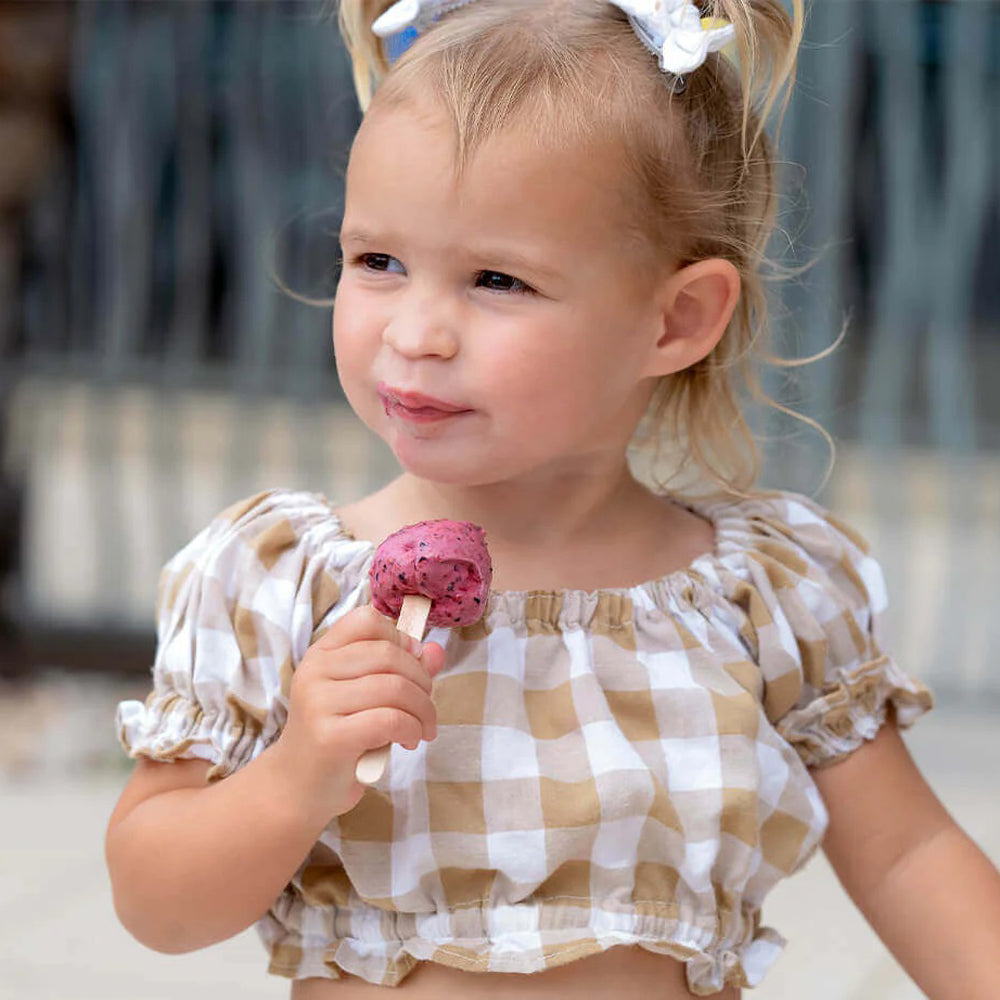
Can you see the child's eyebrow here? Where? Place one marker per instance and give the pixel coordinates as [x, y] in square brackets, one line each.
[358, 236]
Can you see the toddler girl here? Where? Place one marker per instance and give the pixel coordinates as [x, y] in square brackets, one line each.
[556, 212]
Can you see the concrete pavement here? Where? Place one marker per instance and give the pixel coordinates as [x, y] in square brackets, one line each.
[60, 940]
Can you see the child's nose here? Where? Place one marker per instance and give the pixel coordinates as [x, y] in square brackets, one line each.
[421, 331]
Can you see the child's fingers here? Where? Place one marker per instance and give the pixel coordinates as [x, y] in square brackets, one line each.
[371, 657]
[387, 691]
[432, 658]
[361, 624]
[375, 727]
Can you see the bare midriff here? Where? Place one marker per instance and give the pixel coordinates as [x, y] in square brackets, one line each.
[619, 973]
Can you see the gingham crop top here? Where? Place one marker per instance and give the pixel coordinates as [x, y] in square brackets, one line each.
[627, 766]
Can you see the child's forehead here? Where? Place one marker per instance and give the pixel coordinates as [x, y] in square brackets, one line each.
[404, 189]
[570, 178]
[527, 144]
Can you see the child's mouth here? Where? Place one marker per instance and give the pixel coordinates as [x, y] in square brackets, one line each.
[416, 407]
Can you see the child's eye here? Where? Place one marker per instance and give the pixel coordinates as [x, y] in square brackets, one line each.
[497, 281]
[381, 262]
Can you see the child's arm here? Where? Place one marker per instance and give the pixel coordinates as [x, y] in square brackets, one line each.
[193, 863]
[924, 886]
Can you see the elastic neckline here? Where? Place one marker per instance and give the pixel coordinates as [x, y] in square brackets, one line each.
[716, 512]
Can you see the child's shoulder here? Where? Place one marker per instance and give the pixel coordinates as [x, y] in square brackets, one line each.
[275, 520]
[796, 543]
[802, 521]
[275, 547]
[297, 506]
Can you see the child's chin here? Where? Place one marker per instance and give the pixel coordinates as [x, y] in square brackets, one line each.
[446, 474]
[445, 469]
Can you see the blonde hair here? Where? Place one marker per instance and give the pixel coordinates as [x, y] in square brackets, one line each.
[702, 162]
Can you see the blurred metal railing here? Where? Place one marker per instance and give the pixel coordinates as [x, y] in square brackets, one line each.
[208, 142]
[896, 123]
[154, 370]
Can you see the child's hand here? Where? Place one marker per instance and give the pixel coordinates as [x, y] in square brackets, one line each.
[360, 686]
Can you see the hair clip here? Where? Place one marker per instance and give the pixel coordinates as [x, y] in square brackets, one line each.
[416, 14]
[675, 32]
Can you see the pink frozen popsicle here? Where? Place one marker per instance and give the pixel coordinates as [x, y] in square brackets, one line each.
[436, 571]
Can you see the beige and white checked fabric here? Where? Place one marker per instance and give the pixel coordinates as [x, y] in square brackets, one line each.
[621, 767]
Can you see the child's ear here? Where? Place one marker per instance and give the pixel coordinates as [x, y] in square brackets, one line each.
[696, 305]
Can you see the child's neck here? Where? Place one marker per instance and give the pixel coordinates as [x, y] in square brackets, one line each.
[582, 533]
[553, 512]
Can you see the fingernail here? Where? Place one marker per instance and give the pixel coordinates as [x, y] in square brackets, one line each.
[416, 647]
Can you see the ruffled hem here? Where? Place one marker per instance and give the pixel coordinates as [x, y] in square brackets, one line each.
[167, 728]
[846, 715]
[709, 968]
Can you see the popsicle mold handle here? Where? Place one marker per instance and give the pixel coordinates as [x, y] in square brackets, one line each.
[412, 620]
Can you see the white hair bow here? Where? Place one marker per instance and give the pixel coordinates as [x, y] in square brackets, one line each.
[672, 29]
[675, 32]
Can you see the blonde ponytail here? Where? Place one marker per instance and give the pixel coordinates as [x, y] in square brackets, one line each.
[368, 60]
[697, 426]
[768, 41]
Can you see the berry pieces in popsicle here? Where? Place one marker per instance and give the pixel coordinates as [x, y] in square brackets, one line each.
[445, 561]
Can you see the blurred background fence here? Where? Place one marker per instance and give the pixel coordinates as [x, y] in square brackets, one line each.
[165, 168]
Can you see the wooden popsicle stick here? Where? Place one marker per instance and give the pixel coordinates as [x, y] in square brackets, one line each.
[412, 620]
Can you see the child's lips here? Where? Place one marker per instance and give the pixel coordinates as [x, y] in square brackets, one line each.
[415, 406]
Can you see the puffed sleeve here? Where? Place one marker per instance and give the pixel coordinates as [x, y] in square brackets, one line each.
[821, 598]
[237, 609]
